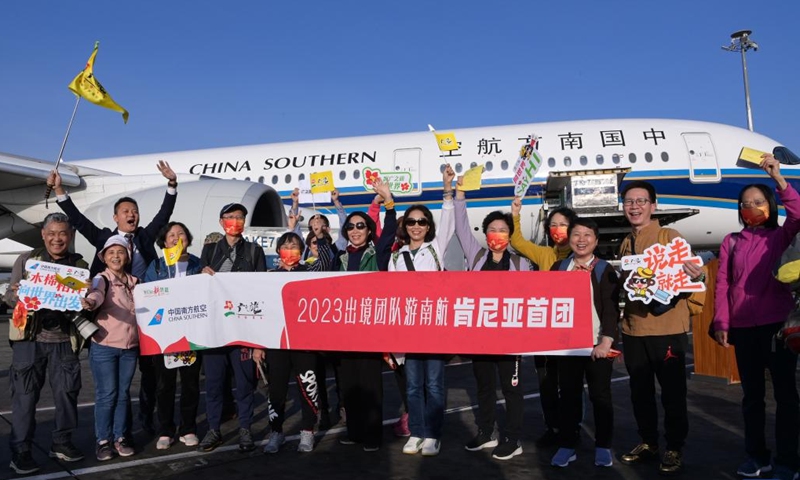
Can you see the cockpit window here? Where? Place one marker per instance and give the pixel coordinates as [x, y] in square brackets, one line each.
[785, 156]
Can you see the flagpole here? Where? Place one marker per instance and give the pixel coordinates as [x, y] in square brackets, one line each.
[63, 146]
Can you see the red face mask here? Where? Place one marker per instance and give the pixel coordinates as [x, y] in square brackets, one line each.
[290, 257]
[559, 234]
[497, 241]
[232, 226]
[755, 216]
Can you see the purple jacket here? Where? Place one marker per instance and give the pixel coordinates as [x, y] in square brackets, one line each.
[750, 295]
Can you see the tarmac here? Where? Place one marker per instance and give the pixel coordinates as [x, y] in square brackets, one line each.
[714, 449]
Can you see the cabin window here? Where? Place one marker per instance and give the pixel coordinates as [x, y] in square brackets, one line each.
[260, 179]
[664, 156]
[301, 177]
[615, 159]
[288, 178]
[632, 158]
[648, 157]
[342, 175]
[599, 159]
[442, 167]
[489, 166]
[504, 165]
[567, 162]
[584, 160]
[459, 168]
[274, 179]
[356, 174]
[551, 162]
[473, 164]
[246, 179]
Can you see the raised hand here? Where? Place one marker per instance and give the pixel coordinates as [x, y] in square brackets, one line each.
[382, 188]
[167, 171]
[773, 169]
[54, 180]
[335, 196]
[448, 175]
[516, 206]
[292, 222]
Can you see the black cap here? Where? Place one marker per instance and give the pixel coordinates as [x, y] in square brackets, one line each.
[232, 207]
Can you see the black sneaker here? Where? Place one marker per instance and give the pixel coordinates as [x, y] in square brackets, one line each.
[23, 463]
[671, 463]
[66, 451]
[548, 439]
[482, 440]
[640, 454]
[212, 440]
[507, 449]
[246, 443]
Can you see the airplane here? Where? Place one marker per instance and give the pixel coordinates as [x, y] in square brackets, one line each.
[691, 163]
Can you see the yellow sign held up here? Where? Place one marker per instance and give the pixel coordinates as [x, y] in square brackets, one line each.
[472, 179]
[750, 158]
[86, 85]
[322, 182]
[71, 282]
[173, 254]
[446, 141]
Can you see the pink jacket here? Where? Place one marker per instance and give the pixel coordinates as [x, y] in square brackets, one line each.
[116, 317]
[750, 295]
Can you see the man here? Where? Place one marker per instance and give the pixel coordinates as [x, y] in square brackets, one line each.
[49, 345]
[231, 254]
[142, 239]
[655, 344]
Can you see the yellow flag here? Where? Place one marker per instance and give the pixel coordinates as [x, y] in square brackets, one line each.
[86, 85]
[322, 182]
[446, 141]
[171, 255]
[472, 179]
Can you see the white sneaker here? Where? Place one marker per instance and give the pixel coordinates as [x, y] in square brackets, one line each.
[190, 440]
[164, 443]
[306, 441]
[412, 446]
[274, 442]
[430, 447]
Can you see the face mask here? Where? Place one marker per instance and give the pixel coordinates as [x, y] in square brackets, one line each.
[290, 257]
[232, 226]
[559, 234]
[497, 241]
[755, 216]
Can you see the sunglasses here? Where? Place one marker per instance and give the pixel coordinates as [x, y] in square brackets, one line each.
[359, 226]
[410, 222]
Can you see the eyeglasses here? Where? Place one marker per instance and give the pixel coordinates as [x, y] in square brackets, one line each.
[638, 201]
[754, 203]
[410, 222]
[232, 217]
[358, 226]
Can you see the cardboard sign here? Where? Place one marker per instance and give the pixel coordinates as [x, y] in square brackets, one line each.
[322, 182]
[657, 274]
[526, 167]
[477, 312]
[750, 158]
[306, 196]
[52, 286]
[400, 183]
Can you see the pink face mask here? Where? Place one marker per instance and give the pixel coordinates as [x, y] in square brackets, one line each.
[233, 226]
[755, 216]
[290, 257]
[497, 241]
[559, 234]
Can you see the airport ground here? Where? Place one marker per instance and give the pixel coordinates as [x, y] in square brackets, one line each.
[713, 451]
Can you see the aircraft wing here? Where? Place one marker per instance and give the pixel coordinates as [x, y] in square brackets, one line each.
[19, 172]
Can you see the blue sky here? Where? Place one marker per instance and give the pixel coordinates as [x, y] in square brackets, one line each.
[199, 74]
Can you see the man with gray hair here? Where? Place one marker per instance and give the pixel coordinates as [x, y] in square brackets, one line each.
[49, 344]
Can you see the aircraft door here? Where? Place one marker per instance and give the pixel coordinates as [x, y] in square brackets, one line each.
[703, 164]
[408, 160]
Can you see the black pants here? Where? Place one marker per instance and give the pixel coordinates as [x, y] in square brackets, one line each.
[402, 385]
[754, 354]
[166, 382]
[571, 372]
[486, 368]
[147, 386]
[321, 371]
[281, 363]
[362, 392]
[661, 357]
[547, 373]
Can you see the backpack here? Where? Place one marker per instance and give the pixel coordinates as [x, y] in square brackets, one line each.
[515, 259]
[598, 269]
[695, 300]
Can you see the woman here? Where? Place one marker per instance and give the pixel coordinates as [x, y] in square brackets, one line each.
[114, 350]
[360, 372]
[596, 369]
[304, 363]
[498, 227]
[558, 222]
[185, 363]
[425, 388]
[750, 308]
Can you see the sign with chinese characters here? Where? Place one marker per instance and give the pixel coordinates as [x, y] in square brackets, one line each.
[526, 167]
[307, 196]
[322, 182]
[657, 274]
[594, 191]
[477, 312]
[400, 183]
[52, 286]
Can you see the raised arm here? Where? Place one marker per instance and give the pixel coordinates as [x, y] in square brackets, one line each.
[383, 250]
[324, 258]
[341, 242]
[295, 211]
[469, 245]
[542, 256]
[89, 230]
[447, 220]
[168, 205]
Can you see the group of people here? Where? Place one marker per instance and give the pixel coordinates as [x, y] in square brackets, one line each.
[655, 342]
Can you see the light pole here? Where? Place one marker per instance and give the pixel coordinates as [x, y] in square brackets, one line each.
[741, 42]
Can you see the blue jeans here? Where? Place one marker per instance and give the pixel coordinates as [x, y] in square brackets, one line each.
[426, 395]
[112, 369]
[215, 362]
